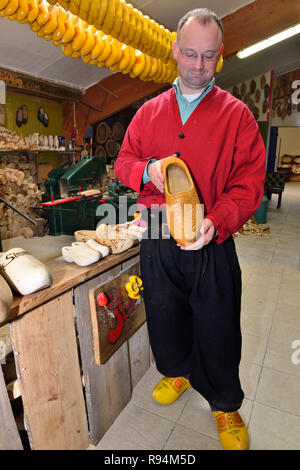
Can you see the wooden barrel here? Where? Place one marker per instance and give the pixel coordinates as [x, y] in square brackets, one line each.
[112, 148]
[100, 152]
[102, 132]
[118, 131]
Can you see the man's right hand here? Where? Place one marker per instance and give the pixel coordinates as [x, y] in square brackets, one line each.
[155, 173]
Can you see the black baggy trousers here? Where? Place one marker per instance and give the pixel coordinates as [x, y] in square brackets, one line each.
[193, 301]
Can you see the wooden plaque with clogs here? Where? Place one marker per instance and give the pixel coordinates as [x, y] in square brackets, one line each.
[117, 311]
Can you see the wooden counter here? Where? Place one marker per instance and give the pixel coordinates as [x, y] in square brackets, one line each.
[70, 399]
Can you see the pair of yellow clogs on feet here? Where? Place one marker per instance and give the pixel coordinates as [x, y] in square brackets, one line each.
[231, 428]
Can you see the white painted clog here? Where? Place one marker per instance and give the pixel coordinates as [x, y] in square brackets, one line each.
[80, 253]
[23, 272]
[103, 250]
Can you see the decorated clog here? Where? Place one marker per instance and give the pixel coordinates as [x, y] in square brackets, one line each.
[169, 389]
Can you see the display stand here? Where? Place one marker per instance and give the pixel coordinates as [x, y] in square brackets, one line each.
[70, 401]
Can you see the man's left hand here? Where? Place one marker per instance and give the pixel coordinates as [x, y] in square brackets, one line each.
[207, 233]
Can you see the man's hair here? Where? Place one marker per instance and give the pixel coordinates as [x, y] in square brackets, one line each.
[203, 16]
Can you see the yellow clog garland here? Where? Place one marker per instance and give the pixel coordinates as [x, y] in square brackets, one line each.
[124, 22]
[79, 38]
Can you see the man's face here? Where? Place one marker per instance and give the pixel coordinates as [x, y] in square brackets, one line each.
[197, 53]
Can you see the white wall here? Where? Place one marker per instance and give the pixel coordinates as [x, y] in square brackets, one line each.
[288, 141]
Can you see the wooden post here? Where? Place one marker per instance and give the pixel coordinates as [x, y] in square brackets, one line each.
[9, 435]
[45, 348]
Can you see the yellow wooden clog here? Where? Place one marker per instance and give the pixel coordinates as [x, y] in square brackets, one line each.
[99, 45]
[22, 11]
[183, 208]
[60, 30]
[232, 430]
[69, 28]
[44, 14]
[33, 10]
[169, 389]
[11, 7]
[134, 287]
[3, 4]
[51, 25]
[90, 40]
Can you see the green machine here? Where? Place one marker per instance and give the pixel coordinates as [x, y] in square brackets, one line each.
[117, 192]
[51, 187]
[86, 174]
[73, 199]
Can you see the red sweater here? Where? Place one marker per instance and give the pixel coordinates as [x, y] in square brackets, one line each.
[220, 143]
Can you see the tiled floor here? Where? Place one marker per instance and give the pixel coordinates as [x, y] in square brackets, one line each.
[271, 381]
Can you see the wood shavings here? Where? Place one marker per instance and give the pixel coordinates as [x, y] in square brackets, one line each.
[252, 228]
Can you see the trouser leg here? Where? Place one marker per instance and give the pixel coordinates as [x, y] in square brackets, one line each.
[169, 317]
[216, 305]
[193, 317]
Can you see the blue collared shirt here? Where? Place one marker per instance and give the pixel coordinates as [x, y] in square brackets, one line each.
[186, 108]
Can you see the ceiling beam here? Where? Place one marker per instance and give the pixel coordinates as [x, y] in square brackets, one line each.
[257, 21]
[25, 84]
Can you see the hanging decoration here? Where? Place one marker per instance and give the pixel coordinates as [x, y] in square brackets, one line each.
[43, 116]
[2, 115]
[105, 33]
[21, 115]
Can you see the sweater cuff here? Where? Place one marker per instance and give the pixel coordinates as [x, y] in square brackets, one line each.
[146, 178]
[218, 237]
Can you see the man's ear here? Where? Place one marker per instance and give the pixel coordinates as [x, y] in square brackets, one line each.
[175, 50]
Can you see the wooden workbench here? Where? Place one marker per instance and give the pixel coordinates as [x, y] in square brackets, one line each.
[70, 400]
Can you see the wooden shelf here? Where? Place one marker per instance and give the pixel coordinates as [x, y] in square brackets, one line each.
[39, 150]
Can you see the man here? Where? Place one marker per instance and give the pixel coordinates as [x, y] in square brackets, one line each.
[192, 293]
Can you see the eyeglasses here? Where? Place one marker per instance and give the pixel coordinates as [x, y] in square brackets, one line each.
[192, 56]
